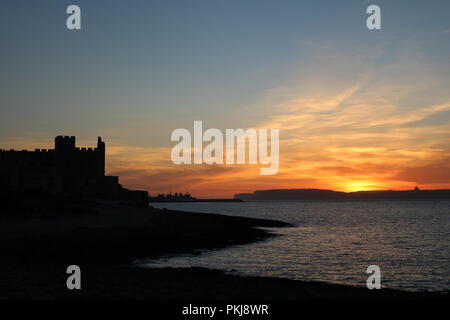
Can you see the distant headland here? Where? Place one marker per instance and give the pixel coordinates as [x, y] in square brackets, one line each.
[319, 194]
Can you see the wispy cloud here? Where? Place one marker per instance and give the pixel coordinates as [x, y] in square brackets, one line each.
[347, 121]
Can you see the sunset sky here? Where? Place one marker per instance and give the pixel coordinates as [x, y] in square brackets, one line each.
[357, 109]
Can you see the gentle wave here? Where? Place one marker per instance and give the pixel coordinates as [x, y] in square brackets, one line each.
[336, 242]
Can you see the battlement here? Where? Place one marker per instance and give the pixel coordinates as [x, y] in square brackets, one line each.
[67, 169]
[64, 143]
[74, 166]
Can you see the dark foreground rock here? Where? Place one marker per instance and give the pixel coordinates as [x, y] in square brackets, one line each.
[36, 248]
[48, 281]
[113, 234]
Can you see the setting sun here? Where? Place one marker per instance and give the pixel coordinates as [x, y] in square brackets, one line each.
[353, 186]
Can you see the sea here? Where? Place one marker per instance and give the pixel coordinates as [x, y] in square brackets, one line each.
[335, 242]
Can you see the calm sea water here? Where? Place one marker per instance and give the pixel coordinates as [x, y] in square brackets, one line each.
[336, 242]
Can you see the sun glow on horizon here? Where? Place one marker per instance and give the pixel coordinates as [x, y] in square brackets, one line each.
[354, 186]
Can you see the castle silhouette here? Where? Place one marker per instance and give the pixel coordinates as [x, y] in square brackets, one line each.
[67, 170]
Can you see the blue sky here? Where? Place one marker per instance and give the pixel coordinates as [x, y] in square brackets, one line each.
[139, 69]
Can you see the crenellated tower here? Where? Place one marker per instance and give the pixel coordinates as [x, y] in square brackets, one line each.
[101, 153]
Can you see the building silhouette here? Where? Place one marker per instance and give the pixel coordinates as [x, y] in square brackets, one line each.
[66, 169]
[176, 197]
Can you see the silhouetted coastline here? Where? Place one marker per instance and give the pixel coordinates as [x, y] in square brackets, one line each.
[59, 209]
[185, 197]
[319, 194]
[40, 238]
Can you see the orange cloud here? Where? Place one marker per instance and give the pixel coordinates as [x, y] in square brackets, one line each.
[344, 126]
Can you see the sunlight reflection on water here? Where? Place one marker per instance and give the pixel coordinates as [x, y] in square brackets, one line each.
[336, 242]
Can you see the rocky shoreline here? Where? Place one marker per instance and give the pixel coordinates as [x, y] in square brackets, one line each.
[36, 248]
